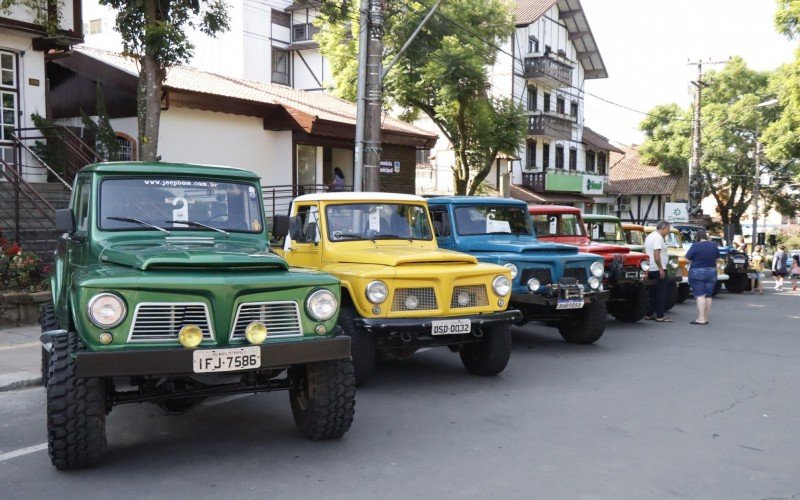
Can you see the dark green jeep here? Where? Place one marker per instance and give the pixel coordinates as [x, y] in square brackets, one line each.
[164, 290]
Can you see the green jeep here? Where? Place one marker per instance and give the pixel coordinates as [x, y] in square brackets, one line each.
[165, 290]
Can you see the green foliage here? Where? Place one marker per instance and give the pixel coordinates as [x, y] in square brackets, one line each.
[790, 236]
[787, 18]
[46, 13]
[443, 74]
[105, 143]
[732, 123]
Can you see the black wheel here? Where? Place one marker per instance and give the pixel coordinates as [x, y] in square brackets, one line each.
[362, 345]
[737, 283]
[76, 410]
[672, 297]
[490, 355]
[717, 289]
[683, 292]
[634, 307]
[586, 326]
[47, 320]
[323, 398]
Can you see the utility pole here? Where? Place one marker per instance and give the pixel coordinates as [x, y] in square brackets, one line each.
[374, 103]
[358, 156]
[756, 189]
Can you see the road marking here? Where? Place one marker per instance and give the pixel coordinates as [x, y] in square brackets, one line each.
[23, 451]
[18, 346]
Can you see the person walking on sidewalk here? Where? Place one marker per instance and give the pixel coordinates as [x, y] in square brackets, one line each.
[779, 261]
[703, 256]
[656, 247]
[794, 272]
[757, 270]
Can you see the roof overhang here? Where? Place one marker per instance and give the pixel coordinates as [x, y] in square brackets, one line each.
[580, 34]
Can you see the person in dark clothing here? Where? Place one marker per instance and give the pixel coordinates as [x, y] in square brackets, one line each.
[703, 256]
[338, 180]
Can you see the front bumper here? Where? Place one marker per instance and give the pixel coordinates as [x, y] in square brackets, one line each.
[422, 326]
[536, 299]
[178, 361]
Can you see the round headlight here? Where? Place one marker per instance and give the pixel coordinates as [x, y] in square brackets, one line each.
[673, 263]
[106, 310]
[501, 285]
[594, 282]
[511, 267]
[190, 336]
[645, 265]
[533, 284]
[321, 305]
[412, 302]
[377, 291]
[597, 269]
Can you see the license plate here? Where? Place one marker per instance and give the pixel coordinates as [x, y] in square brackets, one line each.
[632, 275]
[450, 326]
[227, 360]
[569, 304]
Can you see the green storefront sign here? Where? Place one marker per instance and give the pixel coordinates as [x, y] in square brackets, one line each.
[563, 182]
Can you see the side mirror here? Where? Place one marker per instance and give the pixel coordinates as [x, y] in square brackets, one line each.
[65, 221]
[280, 226]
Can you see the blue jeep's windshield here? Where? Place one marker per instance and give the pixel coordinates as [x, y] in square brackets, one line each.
[493, 220]
[179, 204]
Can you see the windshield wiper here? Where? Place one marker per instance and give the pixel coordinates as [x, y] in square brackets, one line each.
[137, 221]
[197, 224]
[347, 236]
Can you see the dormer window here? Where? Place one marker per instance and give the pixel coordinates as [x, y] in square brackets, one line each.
[533, 44]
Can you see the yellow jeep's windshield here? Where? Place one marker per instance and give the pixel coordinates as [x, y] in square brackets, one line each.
[179, 204]
[377, 221]
[635, 237]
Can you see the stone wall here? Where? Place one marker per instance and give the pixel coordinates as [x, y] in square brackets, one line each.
[20, 308]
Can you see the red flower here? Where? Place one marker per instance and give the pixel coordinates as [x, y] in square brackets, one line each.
[13, 250]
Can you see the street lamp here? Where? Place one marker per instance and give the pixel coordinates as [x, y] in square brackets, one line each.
[757, 177]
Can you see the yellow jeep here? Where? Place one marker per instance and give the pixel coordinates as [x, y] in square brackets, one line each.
[400, 292]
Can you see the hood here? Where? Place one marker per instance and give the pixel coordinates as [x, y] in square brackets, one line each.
[188, 254]
[398, 256]
[521, 246]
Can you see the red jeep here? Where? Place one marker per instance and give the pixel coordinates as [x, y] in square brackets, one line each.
[625, 270]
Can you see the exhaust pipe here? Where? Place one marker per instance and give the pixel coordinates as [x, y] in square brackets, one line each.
[477, 334]
[406, 337]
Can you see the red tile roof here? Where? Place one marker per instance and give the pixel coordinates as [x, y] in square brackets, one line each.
[530, 10]
[629, 176]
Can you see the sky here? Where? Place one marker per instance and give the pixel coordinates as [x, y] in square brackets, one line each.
[646, 45]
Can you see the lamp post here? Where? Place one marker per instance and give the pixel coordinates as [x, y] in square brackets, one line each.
[757, 177]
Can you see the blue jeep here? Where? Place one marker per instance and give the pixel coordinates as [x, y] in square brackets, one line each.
[551, 282]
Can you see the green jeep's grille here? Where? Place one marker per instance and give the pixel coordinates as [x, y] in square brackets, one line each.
[282, 319]
[469, 296]
[161, 321]
[414, 299]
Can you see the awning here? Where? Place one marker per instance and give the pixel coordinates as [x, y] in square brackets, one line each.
[520, 193]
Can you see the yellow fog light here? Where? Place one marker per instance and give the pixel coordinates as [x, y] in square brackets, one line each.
[320, 329]
[106, 338]
[256, 332]
[190, 336]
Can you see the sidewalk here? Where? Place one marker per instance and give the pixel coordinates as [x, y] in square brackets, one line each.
[20, 357]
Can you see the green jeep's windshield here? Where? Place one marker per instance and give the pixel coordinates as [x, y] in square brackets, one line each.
[606, 232]
[377, 221]
[493, 220]
[179, 204]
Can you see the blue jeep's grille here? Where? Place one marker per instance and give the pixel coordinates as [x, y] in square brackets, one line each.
[542, 274]
[578, 273]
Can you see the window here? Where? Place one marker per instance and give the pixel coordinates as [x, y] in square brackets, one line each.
[441, 222]
[573, 109]
[306, 164]
[492, 220]
[533, 44]
[8, 99]
[8, 70]
[303, 32]
[532, 96]
[546, 102]
[423, 156]
[545, 155]
[127, 148]
[280, 66]
[601, 163]
[308, 224]
[560, 105]
[81, 211]
[590, 161]
[530, 155]
[559, 156]
[573, 159]
[95, 26]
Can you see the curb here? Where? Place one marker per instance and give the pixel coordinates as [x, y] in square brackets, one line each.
[19, 380]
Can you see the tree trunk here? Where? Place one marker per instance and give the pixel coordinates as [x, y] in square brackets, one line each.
[480, 176]
[148, 95]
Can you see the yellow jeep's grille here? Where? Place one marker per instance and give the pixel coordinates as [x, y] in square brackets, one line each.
[162, 321]
[414, 299]
[469, 296]
[282, 319]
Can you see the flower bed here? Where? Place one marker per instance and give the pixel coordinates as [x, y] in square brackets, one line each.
[24, 281]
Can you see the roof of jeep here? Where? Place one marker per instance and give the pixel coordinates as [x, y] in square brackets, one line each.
[160, 169]
[553, 209]
[650, 229]
[599, 217]
[471, 200]
[632, 226]
[361, 196]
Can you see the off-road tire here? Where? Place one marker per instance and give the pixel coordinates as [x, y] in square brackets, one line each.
[672, 297]
[586, 326]
[76, 410]
[489, 356]
[737, 283]
[47, 320]
[362, 346]
[323, 398]
[684, 290]
[634, 307]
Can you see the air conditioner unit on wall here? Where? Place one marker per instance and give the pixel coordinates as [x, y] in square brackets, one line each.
[623, 207]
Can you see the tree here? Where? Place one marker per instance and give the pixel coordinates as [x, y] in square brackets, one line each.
[443, 74]
[732, 123]
[155, 32]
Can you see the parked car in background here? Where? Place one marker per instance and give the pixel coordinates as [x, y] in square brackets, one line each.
[551, 282]
[688, 236]
[634, 236]
[624, 270]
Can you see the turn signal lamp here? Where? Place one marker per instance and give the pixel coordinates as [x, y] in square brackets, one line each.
[256, 332]
[190, 336]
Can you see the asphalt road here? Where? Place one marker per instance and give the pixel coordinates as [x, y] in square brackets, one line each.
[650, 411]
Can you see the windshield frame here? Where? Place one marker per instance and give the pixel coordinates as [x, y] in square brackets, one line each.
[531, 230]
[170, 227]
[329, 232]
